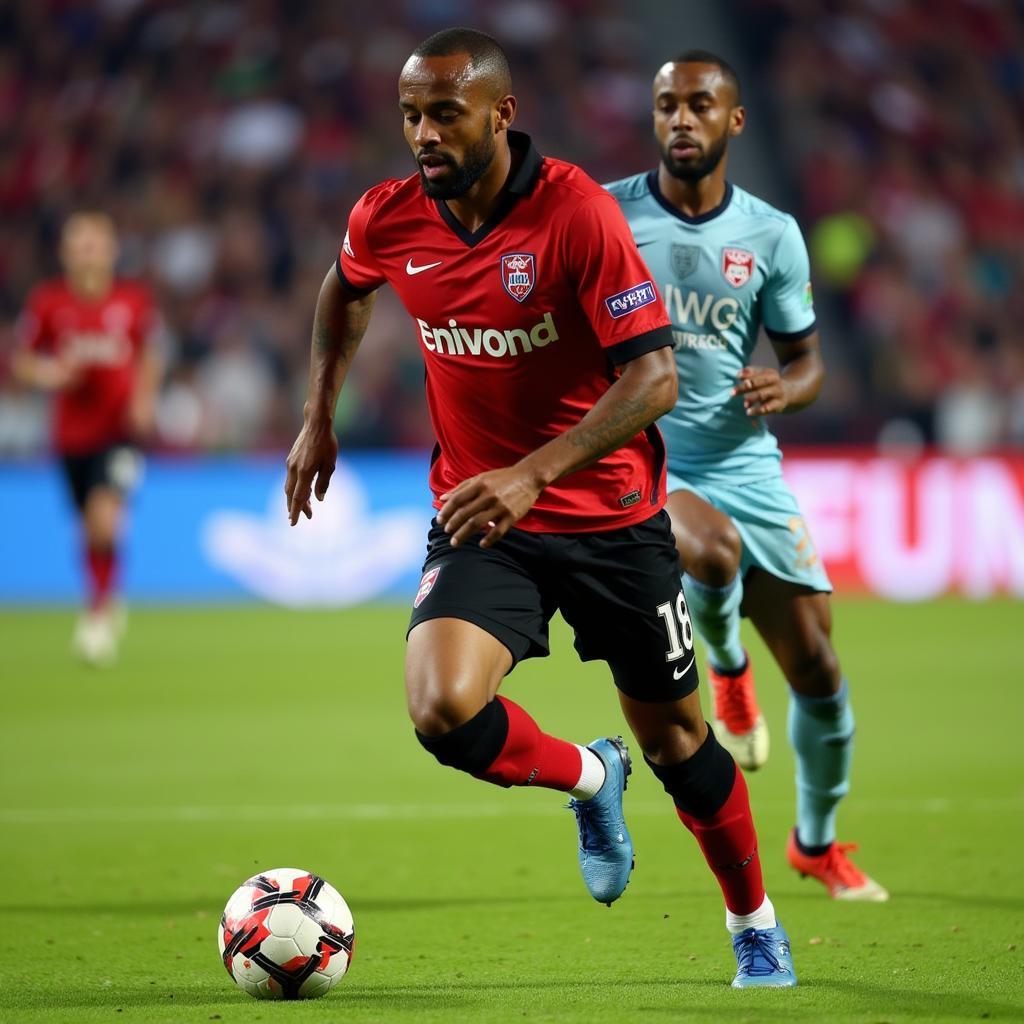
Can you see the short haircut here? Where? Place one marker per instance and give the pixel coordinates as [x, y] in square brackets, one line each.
[707, 57]
[486, 56]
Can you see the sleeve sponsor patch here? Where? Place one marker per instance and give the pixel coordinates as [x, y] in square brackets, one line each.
[631, 299]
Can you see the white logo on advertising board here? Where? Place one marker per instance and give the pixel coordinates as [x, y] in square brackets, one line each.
[342, 556]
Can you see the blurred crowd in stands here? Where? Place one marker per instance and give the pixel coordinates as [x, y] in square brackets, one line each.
[902, 124]
[229, 139]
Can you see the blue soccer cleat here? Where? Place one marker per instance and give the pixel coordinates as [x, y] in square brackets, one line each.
[763, 959]
[606, 850]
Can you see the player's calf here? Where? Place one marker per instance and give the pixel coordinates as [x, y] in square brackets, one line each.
[716, 614]
[503, 745]
[712, 801]
[821, 732]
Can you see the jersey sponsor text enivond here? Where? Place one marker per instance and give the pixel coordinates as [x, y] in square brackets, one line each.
[454, 340]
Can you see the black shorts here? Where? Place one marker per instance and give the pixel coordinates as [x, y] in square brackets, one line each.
[619, 590]
[117, 467]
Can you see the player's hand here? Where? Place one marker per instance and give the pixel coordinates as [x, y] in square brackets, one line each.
[313, 456]
[58, 374]
[491, 502]
[763, 390]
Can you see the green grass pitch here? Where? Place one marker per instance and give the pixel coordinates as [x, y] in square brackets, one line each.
[133, 801]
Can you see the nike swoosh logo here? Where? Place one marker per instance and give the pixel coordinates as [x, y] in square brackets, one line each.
[411, 270]
[640, 245]
[679, 673]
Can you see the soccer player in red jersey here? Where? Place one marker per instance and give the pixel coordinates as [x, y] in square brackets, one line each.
[548, 357]
[87, 337]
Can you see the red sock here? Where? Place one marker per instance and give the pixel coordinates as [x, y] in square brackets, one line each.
[729, 844]
[533, 758]
[102, 568]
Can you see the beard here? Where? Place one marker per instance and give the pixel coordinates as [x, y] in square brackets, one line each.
[699, 167]
[477, 159]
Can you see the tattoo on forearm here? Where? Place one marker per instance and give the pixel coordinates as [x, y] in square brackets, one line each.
[625, 420]
[323, 338]
[341, 336]
[338, 328]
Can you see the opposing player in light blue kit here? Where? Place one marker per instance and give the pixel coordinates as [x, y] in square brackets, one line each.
[727, 264]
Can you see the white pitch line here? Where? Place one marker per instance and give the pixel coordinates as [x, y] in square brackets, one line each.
[423, 812]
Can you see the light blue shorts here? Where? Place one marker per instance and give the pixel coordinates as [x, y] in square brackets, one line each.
[774, 534]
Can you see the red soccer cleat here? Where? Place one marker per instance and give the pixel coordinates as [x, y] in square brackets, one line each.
[834, 869]
[739, 724]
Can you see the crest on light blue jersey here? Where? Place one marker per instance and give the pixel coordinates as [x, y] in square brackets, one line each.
[684, 259]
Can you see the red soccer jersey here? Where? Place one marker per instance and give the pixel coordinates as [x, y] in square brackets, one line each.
[104, 338]
[521, 324]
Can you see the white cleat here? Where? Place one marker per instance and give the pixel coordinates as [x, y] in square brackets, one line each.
[738, 722]
[749, 749]
[834, 869]
[95, 638]
[869, 892]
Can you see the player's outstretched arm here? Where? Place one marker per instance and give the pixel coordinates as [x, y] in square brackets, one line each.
[790, 388]
[339, 324]
[48, 373]
[496, 500]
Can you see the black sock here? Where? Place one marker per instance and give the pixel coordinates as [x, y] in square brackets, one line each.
[472, 746]
[701, 784]
[810, 851]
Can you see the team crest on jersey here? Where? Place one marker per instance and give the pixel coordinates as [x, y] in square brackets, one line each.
[518, 274]
[426, 586]
[685, 259]
[737, 266]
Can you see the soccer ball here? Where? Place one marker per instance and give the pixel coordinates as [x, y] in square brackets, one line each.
[286, 934]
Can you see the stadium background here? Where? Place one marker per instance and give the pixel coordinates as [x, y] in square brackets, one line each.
[228, 139]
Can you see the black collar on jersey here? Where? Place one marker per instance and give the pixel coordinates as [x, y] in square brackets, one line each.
[521, 183]
[703, 218]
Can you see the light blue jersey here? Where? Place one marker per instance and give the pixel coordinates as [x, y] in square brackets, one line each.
[722, 275]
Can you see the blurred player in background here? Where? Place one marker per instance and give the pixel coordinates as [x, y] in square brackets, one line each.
[548, 357]
[89, 339]
[727, 263]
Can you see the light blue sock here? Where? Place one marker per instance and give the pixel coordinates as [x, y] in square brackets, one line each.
[716, 615]
[821, 732]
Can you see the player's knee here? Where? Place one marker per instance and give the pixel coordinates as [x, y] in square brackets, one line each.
[700, 783]
[439, 708]
[816, 673]
[666, 738]
[472, 745]
[719, 558]
[669, 745]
